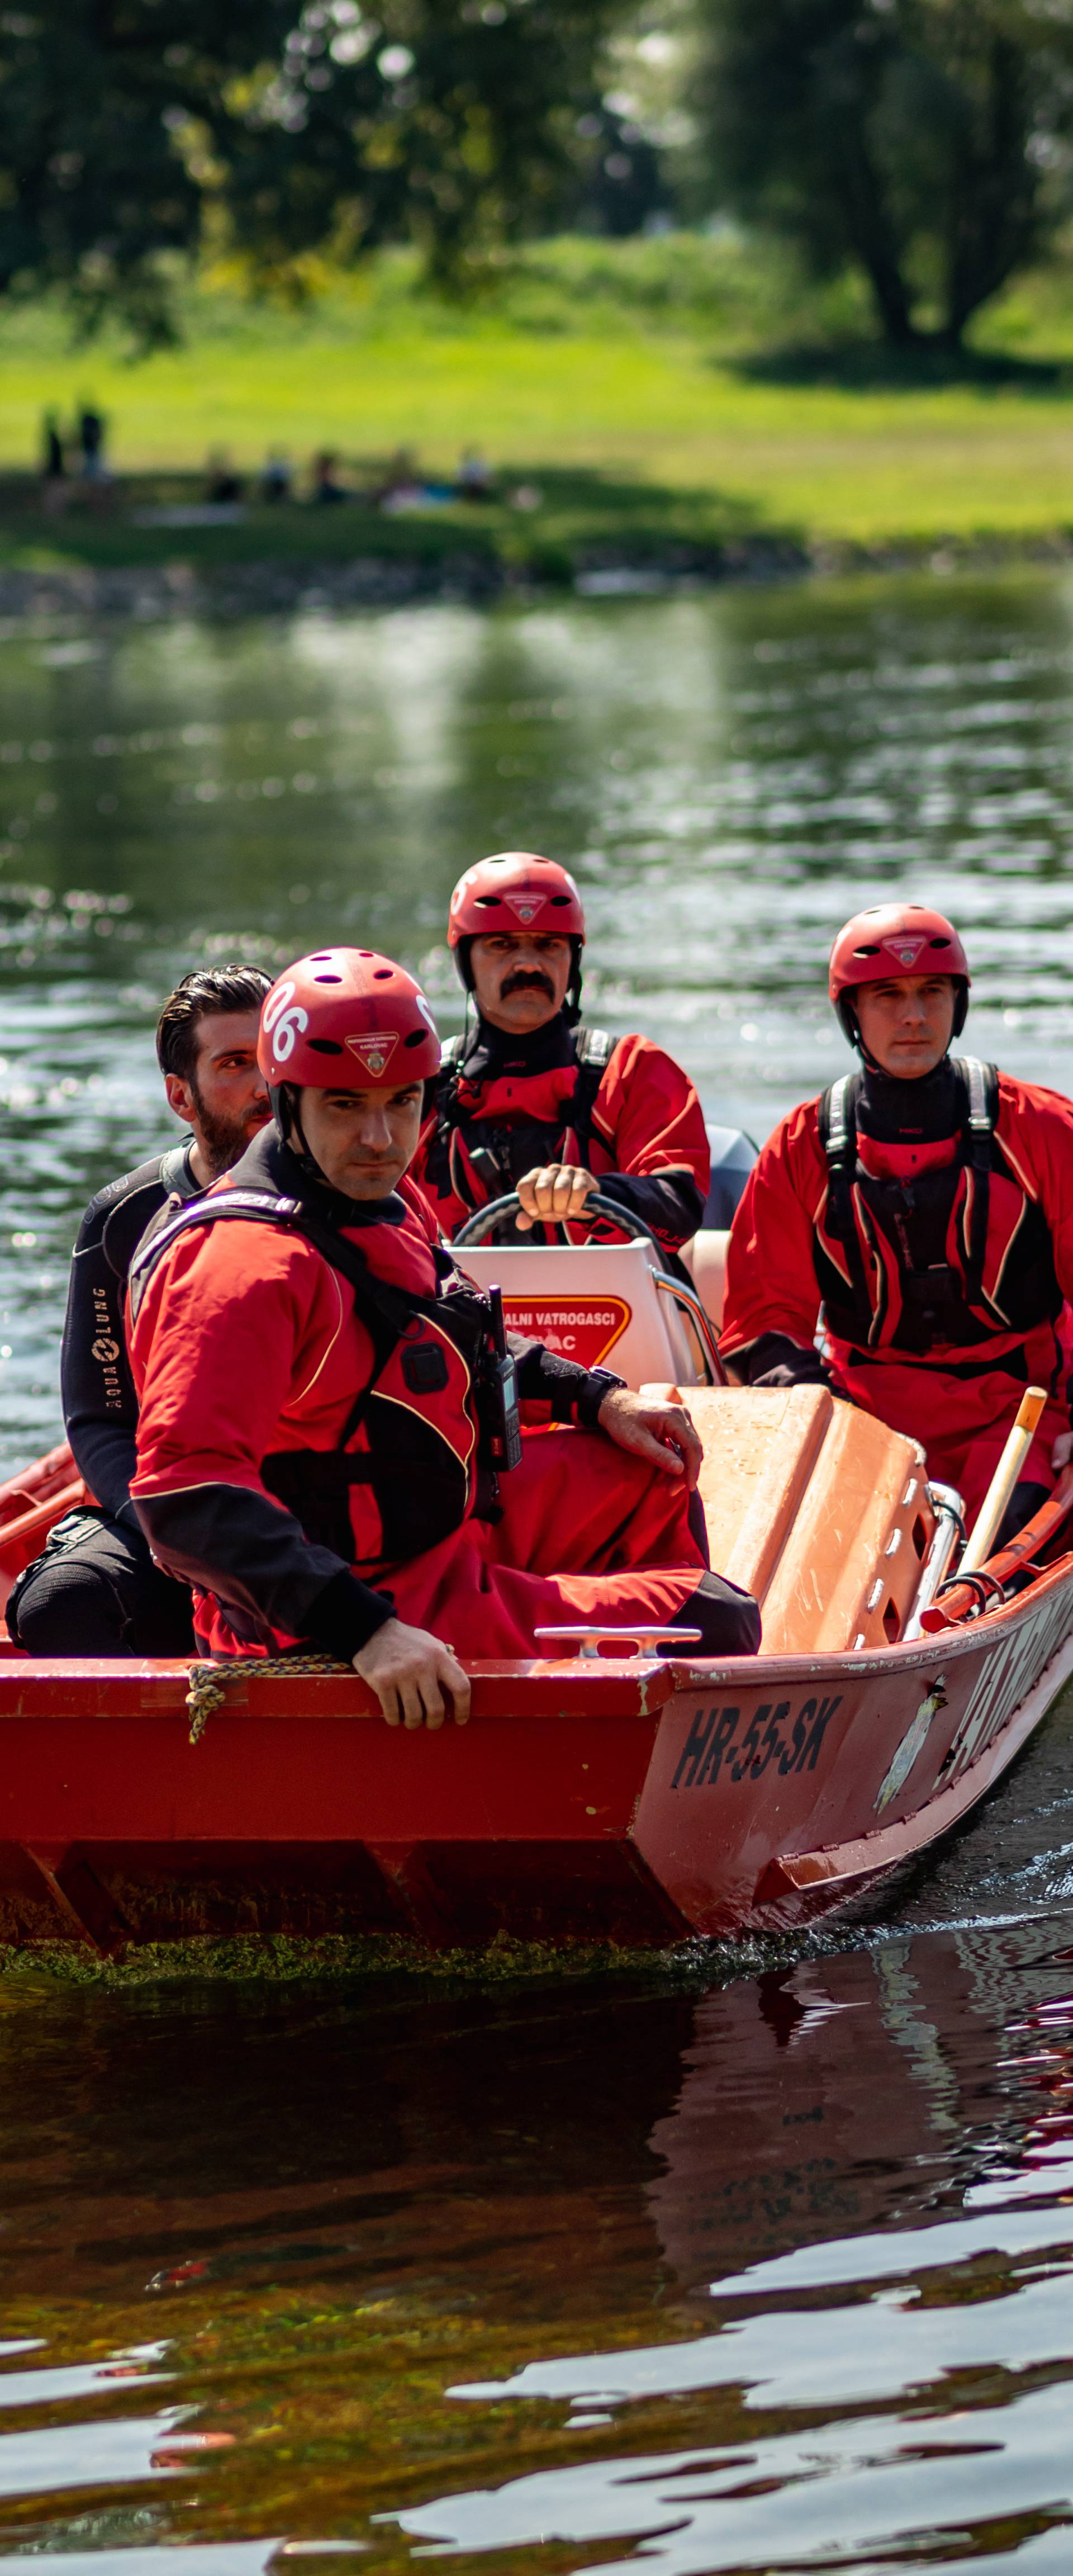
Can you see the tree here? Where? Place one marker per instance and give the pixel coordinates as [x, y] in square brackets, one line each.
[926, 140]
[127, 126]
[453, 120]
[93, 186]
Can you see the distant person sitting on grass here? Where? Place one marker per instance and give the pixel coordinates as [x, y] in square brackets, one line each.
[327, 488]
[475, 478]
[223, 487]
[402, 481]
[277, 483]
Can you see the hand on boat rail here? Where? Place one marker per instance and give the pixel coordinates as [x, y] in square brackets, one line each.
[417, 1679]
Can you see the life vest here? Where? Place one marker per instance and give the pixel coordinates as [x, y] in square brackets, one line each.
[476, 1159]
[413, 1458]
[957, 1255]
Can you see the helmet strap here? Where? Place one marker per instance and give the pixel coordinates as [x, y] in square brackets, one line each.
[572, 1004]
[852, 1027]
[284, 1098]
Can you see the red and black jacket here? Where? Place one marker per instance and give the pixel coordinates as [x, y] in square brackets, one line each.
[930, 1221]
[311, 1404]
[621, 1108]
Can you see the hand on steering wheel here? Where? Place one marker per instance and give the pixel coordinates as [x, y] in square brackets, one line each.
[554, 1194]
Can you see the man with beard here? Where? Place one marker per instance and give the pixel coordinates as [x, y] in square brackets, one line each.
[96, 1590]
[530, 1099]
[923, 1208]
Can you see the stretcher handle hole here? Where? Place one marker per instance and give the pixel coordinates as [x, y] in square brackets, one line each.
[481, 1227]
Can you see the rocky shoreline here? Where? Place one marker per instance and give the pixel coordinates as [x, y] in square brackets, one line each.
[479, 576]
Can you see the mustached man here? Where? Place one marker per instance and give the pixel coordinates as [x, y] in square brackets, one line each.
[322, 1436]
[924, 1208]
[530, 1099]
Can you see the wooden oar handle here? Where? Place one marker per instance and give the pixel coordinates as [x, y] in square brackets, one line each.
[992, 1510]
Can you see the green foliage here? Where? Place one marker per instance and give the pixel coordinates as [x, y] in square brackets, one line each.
[928, 140]
[134, 130]
[454, 120]
[93, 186]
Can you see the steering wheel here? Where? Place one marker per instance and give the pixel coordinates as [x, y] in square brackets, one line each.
[484, 1226]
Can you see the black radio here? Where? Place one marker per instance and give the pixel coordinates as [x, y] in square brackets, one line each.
[503, 1430]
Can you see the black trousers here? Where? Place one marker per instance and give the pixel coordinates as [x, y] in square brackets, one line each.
[96, 1591]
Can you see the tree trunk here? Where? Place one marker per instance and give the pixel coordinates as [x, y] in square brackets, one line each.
[872, 238]
[993, 214]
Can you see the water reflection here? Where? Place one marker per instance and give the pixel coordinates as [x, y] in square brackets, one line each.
[773, 2273]
[767, 2270]
[837, 2112]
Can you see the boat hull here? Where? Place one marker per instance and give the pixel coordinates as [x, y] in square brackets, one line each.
[638, 1803]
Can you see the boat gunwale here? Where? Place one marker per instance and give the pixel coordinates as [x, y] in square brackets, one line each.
[586, 1680]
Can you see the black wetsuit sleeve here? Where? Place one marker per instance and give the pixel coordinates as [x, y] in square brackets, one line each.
[100, 1408]
[573, 1392]
[257, 1561]
[669, 1203]
[774, 1360]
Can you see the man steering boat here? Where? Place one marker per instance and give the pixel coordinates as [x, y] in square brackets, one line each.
[528, 1098]
[923, 1207]
[328, 1441]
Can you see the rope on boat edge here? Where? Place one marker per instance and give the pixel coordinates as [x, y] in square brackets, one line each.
[208, 1681]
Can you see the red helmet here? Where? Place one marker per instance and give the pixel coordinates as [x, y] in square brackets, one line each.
[516, 890]
[895, 939]
[346, 1015]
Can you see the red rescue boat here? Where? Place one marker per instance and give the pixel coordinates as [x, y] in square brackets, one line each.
[642, 1798]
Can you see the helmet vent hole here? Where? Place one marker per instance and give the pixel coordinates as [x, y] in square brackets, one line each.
[322, 958]
[324, 1046]
[327, 979]
[382, 975]
[416, 1037]
[938, 943]
[557, 899]
[489, 902]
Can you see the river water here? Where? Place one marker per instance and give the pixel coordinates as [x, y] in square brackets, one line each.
[758, 2263]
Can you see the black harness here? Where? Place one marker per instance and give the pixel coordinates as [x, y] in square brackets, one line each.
[499, 1151]
[939, 1302]
[419, 1484]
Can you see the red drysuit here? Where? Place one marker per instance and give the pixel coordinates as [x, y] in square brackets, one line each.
[563, 1095]
[959, 1396]
[311, 1469]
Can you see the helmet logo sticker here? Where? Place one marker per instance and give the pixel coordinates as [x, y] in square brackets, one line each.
[905, 946]
[525, 905]
[375, 1051]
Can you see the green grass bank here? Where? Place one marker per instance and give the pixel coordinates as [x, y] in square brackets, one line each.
[661, 397]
